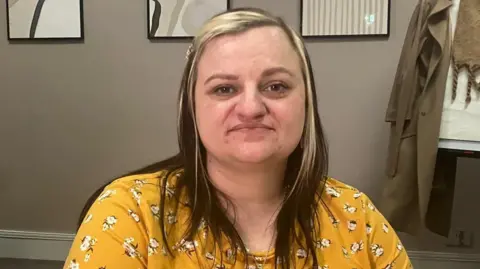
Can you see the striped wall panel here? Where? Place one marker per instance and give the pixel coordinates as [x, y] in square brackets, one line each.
[345, 17]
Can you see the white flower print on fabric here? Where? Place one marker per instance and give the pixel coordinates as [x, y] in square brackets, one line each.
[334, 221]
[371, 207]
[153, 246]
[171, 217]
[377, 250]
[87, 243]
[209, 256]
[134, 215]
[229, 254]
[352, 226]
[176, 177]
[369, 228]
[345, 253]
[137, 194]
[204, 228]
[324, 243]
[357, 195]
[332, 192]
[88, 218]
[205, 233]
[131, 247]
[301, 253]
[251, 266]
[109, 223]
[169, 190]
[73, 264]
[389, 266]
[203, 224]
[186, 246]
[105, 195]
[258, 259]
[350, 209]
[399, 246]
[155, 210]
[139, 182]
[356, 247]
[364, 207]
[312, 222]
[279, 260]
[385, 228]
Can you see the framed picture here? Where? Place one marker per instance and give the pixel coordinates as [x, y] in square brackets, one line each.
[337, 18]
[44, 19]
[180, 18]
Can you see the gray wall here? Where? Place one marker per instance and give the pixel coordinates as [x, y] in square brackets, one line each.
[74, 115]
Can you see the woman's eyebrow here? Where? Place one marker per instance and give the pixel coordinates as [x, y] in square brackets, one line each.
[220, 76]
[273, 70]
[267, 72]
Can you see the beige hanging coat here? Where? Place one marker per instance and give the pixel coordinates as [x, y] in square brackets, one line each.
[414, 113]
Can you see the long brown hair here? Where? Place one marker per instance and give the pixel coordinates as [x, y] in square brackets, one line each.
[306, 167]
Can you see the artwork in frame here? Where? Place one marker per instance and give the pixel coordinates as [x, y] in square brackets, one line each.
[44, 19]
[180, 18]
[337, 18]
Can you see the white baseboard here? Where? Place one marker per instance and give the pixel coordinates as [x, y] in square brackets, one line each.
[35, 245]
[444, 256]
[55, 247]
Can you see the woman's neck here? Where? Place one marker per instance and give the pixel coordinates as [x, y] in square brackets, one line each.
[256, 193]
[258, 184]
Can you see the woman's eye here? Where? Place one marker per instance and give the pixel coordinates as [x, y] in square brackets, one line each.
[278, 87]
[224, 90]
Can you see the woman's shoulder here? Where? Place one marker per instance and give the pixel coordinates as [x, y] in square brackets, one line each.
[142, 185]
[351, 218]
[123, 219]
[335, 188]
[344, 199]
[333, 182]
[139, 192]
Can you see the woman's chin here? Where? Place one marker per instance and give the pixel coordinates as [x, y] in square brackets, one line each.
[254, 155]
[251, 159]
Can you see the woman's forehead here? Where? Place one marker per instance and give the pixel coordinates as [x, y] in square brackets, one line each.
[259, 46]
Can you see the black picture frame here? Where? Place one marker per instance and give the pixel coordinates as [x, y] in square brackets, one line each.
[34, 24]
[152, 36]
[365, 34]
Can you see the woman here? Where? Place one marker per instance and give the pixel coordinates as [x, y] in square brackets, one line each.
[248, 188]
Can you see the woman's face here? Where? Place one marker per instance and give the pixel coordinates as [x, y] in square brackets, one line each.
[250, 97]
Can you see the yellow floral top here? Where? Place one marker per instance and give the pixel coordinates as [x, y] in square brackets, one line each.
[121, 230]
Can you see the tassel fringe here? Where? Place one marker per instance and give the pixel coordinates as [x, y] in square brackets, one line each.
[472, 84]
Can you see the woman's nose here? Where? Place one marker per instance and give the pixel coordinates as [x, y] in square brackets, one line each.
[251, 106]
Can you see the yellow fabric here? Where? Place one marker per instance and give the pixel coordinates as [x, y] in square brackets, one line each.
[121, 230]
